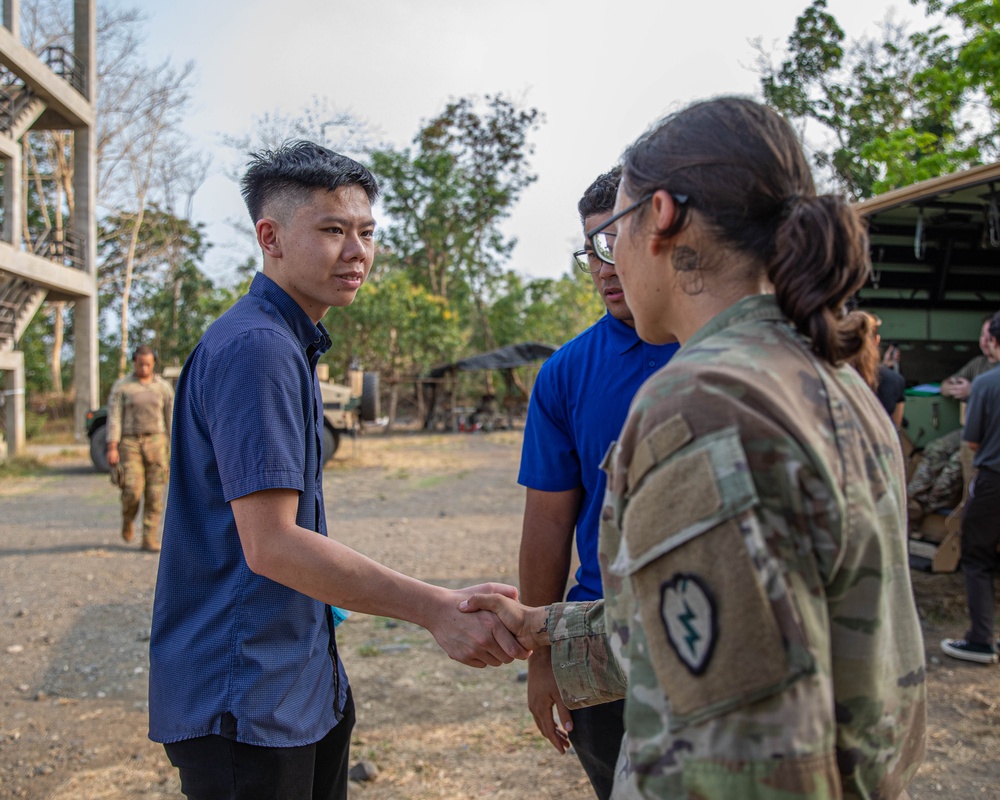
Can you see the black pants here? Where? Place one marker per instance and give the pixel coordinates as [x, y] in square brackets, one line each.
[980, 536]
[597, 737]
[217, 768]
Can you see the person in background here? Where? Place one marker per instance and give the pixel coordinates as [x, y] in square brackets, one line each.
[959, 384]
[981, 514]
[247, 691]
[885, 380]
[578, 404]
[140, 411]
[758, 604]
[937, 483]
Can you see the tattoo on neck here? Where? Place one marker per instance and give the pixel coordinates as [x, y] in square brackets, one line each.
[685, 259]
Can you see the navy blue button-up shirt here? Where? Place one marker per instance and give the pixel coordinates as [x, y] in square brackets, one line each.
[232, 652]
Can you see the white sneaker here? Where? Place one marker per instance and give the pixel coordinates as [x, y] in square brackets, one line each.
[969, 651]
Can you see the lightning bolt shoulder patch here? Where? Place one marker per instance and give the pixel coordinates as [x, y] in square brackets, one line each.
[688, 612]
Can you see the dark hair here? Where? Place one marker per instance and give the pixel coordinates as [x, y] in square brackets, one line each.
[995, 326]
[296, 169]
[865, 326]
[743, 171]
[143, 350]
[600, 195]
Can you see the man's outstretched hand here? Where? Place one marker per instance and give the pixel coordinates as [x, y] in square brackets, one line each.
[480, 639]
[529, 625]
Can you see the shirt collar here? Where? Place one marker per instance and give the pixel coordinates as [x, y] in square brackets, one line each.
[748, 309]
[623, 337]
[308, 333]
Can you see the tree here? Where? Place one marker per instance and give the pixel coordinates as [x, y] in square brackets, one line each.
[890, 111]
[177, 301]
[140, 108]
[447, 196]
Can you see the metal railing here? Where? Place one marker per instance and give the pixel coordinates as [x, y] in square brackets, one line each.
[14, 98]
[67, 248]
[67, 66]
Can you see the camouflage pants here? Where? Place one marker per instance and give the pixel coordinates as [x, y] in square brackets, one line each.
[146, 463]
[937, 482]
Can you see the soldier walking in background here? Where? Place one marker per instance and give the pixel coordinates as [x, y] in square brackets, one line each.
[140, 410]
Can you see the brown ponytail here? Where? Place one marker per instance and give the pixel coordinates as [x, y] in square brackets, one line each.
[820, 259]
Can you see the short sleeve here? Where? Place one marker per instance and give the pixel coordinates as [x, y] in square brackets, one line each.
[973, 429]
[550, 461]
[255, 406]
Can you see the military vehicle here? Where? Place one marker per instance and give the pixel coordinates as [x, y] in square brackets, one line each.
[345, 408]
[935, 249]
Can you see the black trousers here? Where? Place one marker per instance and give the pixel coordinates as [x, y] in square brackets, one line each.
[597, 737]
[217, 768]
[980, 536]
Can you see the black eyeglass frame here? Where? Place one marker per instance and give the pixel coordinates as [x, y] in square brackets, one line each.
[582, 259]
[599, 239]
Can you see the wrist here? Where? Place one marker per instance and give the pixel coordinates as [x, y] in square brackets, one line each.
[539, 621]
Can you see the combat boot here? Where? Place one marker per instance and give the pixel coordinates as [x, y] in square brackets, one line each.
[128, 533]
[150, 542]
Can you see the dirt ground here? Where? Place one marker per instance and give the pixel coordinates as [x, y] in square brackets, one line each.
[74, 622]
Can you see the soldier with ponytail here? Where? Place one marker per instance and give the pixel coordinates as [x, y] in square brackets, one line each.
[758, 614]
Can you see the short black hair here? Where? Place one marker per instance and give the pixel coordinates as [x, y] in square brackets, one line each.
[297, 168]
[600, 195]
[143, 350]
[995, 326]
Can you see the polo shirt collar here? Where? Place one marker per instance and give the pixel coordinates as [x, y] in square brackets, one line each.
[623, 338]
[748, 309]
[309, 334]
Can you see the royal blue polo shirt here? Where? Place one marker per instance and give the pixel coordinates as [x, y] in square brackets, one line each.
[231, 652]
[578, 406]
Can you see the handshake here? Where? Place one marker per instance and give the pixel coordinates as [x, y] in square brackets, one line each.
[489, 627]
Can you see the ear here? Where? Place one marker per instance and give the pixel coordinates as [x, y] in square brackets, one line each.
[267, 237]
[664, 210]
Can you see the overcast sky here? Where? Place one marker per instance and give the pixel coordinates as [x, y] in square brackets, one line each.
[600, 72]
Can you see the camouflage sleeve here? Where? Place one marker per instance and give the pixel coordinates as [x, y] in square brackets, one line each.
[116, 408]
[585, 668]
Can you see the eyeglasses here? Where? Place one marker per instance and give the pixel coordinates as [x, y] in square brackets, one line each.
[603, 242]
[587, 261]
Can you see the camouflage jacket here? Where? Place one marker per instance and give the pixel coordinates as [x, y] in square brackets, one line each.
[139, 408]
[757, 589]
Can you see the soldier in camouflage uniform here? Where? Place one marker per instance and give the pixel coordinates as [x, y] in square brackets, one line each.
[758, 614]
[937, 480]
[140, 410]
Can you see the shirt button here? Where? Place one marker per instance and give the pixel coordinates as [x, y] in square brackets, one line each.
[652, 363]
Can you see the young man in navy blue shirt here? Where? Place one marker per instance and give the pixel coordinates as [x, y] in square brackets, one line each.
[578, 405]
[247, 691]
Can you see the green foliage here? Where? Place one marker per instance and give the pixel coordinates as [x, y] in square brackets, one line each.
[394, 327]
[892, 111]
[544, 310]
[173, 302]
[447, 196]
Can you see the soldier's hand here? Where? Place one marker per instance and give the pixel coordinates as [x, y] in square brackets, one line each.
[112, 453]
[543, 697]
[529, 625]
[481, 639]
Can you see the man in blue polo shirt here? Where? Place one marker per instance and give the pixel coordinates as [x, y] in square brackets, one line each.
[246, 688]
[578, 405]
